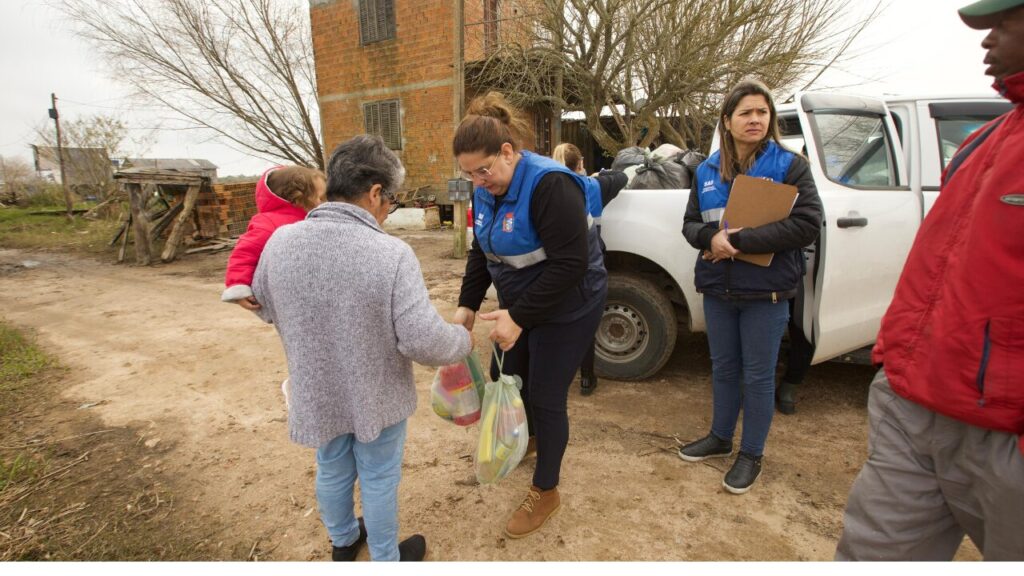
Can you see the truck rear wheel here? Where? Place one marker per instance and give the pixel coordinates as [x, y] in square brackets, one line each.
[638, 329]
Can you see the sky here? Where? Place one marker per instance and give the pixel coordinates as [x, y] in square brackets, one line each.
[914, 47]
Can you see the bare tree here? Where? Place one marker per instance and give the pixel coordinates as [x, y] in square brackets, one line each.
[241, 68]
[90, 143]
[661, 67]
[17, 177]
[107, 131]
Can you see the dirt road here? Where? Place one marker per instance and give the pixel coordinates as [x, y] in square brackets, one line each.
[199, 382]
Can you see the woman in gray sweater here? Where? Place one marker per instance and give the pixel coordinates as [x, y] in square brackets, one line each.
[353, 313]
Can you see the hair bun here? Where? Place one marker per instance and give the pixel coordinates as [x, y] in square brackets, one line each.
[492, 105]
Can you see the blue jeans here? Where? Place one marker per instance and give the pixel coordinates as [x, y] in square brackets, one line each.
[744, 338]
[378, 465]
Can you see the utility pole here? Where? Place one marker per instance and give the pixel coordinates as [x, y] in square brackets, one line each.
[458, 96]
[60, 157]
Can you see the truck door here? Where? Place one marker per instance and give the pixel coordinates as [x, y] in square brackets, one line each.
[871, 218]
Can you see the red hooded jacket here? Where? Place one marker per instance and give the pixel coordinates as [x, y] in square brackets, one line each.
[272, 212]
[953, 337]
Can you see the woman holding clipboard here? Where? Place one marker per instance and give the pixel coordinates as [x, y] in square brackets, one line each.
[745, 304]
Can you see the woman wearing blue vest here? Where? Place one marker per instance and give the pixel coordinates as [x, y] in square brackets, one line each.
[745, 305]
[535, 241]
[610, 183]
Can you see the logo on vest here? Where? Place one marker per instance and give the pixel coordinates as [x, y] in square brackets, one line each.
[508, 222]
[480, 220]
[709, 186]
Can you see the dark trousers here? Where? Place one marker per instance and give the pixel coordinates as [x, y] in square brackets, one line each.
[800, 352]
[587, 366]
[546, 358]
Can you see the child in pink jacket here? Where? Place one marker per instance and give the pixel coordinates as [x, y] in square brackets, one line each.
[283, 196]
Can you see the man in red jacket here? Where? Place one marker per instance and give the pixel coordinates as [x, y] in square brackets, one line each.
[945, 447]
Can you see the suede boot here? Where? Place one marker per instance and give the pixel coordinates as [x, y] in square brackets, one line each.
[535, 510]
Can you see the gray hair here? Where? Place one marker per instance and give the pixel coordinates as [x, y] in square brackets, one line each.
[359, 163]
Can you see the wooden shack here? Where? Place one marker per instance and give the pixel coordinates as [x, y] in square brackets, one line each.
[158, 199]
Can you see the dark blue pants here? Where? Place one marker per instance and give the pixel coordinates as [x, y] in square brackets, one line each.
[546, 358]
[744, 338]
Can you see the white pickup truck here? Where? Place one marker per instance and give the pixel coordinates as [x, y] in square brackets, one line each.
[877, 166]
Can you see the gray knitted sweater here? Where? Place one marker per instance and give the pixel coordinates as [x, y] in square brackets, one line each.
[353, 313]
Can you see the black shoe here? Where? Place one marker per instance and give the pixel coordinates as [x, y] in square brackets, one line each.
[412, 549]
[785, 398]
[710, 446]
[349, 553]
[587, 385]
[743, 474]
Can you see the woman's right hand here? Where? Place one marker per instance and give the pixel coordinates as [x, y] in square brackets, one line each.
[466, 317]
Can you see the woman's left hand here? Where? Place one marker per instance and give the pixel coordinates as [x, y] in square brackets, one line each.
[506, 332]
[721, 249]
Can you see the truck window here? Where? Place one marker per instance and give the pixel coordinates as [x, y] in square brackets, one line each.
[856, 149]
[792, 136]
[955, 120]
[953, 132]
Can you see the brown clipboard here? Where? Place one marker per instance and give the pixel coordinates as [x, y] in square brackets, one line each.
[756, 202]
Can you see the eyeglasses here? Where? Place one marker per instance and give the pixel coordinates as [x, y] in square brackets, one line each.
[480, 173]
[393, 204]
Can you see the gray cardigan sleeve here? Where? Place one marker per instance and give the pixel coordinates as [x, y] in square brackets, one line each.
[423, 336]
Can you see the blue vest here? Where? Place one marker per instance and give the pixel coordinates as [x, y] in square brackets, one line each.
[738, 278]
[593, 192]
[515, 256]
[773, 165]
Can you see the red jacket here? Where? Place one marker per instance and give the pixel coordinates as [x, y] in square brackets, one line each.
[272, 212]
[953, 337]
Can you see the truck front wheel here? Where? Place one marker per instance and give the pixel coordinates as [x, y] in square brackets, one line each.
[638, 330]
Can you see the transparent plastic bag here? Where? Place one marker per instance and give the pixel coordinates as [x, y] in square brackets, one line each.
[503, 429]
[458, 390]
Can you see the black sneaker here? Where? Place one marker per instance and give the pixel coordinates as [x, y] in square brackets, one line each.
[412, 549]
[587, 385]
[710, 446]
[743, 474]
[349, 553]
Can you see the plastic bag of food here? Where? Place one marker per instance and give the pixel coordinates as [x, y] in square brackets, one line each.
[503, 429]
[458, 390]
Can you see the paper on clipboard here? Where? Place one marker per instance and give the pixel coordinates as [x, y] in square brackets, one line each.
[755, 202]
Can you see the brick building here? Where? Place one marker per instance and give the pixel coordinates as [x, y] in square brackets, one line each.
[387, 67]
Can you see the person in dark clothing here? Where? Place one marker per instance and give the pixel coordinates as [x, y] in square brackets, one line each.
[798, 360]
[611, 182]
[745, 305]
[534, 239]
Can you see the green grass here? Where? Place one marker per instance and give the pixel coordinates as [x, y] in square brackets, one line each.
[21, 229]
[20, 359]
[21, 362]
[21, 469]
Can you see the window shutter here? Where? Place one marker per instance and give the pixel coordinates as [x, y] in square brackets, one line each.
[376, 20]
[364, 23]
[389, 18]
[384, 119]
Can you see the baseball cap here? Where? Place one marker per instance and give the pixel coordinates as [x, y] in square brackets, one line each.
[986, 13]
